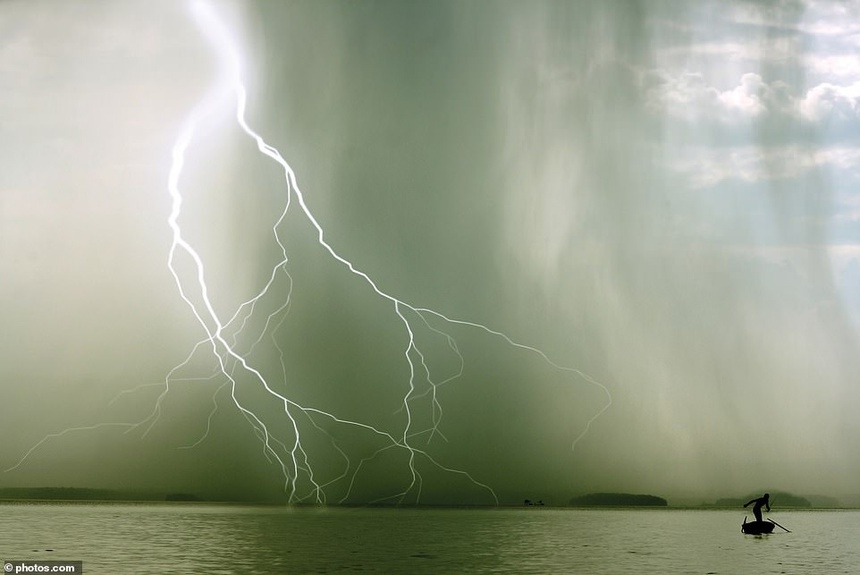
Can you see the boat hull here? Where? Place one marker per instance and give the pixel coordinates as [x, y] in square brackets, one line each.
[757, 527]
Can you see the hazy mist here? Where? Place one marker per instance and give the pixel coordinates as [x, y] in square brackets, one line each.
[662, 195]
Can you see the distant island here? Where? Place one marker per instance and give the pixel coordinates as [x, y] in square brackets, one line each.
[181, 497]
[59, 494]
[781, 499]
[618, 500]
[87, 494]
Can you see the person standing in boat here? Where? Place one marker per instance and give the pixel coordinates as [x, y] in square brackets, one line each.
[763, 501]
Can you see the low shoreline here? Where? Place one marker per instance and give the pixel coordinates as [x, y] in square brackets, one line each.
[429, 507]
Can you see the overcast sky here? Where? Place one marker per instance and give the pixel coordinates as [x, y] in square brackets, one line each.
[661, 195]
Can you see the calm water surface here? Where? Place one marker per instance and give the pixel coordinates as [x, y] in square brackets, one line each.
[176, 538]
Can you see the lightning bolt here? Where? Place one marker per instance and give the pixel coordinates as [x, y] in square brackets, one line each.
[223, 335]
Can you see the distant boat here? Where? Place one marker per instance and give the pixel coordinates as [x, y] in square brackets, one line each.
[757, 527]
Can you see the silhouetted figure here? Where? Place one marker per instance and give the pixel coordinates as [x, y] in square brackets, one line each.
[763, 501]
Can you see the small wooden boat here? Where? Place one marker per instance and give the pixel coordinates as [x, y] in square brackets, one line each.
[757, 527]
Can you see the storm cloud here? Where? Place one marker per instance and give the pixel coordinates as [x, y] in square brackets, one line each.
[662, 196]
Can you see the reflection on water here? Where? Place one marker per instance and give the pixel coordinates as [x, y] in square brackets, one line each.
[180, 538]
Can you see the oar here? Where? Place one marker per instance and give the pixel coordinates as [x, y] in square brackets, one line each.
[774, 522]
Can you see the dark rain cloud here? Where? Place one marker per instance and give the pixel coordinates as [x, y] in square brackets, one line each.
[539, 168]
